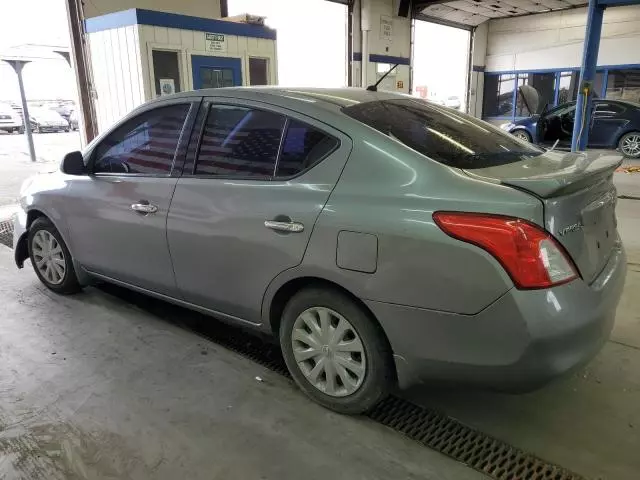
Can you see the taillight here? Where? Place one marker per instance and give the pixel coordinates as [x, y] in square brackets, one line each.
[531, 257]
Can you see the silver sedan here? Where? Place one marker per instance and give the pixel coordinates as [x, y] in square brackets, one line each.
[382, 239]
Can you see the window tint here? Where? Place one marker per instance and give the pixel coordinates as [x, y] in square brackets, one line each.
[447, 136]
[239, 142]
[303, 147]
[145, 144]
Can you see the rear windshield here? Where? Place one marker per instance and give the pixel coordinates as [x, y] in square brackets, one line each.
[443, 134]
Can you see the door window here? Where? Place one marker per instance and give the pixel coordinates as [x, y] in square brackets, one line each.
[607, 110]
[303, 147]
[240, 142]
[144, 145]
[216, 77]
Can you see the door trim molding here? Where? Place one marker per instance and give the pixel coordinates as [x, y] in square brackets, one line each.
[191, 306]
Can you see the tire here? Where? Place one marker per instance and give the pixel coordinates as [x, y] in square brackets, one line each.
[21, 130]
[629, 145]
[522, 135]
[40, 234]
[361, 392]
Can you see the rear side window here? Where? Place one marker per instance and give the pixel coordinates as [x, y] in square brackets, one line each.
[240, 142]
[303, 147]
[145, 144]
[442, 134]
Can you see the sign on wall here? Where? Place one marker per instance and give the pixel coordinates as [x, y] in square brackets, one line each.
[215, 42]
[386, 27]
[167, 86]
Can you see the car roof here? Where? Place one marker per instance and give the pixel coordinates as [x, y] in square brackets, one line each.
[331, 98]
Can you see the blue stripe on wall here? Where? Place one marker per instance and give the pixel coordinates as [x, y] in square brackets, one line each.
[357, 57]
[173, 20]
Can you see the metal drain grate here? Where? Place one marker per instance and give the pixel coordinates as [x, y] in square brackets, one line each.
[6, 233]
[475, 449]
[433, 429]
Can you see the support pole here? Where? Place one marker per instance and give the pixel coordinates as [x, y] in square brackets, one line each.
[582, 121]
[17, 66]
[76, 28]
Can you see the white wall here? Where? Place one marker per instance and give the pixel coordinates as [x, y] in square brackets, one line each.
[117, 73]
[399, 45]
[196, 8]
[555, 40]
[189, 42]
[478, 56]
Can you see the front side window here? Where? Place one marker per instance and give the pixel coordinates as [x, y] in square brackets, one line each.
[239, 142]
[498, 95]
[449, 137]
[144, 145]
[303, 147]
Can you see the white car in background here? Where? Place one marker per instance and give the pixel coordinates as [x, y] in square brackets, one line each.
[453, 102]
[10, 120]
[46, 120]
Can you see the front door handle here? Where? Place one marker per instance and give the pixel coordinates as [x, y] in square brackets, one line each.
[289, 227]
[144, 207]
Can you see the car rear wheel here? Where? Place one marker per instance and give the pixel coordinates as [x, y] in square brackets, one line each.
[51, 259]
[629, 144]
[522, 135]
[335, 352]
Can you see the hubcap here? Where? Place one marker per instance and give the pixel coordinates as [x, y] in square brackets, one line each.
[521, 136]
[631, 145]
[49, 257]
[328, 351]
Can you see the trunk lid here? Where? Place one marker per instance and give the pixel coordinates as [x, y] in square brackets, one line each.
[579, 200]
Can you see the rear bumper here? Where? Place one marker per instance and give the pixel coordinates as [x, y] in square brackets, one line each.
[520, 342]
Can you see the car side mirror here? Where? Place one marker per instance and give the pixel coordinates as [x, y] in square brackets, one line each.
[73, 164]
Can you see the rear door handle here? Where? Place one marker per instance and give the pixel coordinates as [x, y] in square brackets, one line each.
[290, 227]
[145, 208]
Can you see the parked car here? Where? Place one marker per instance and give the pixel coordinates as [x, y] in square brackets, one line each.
[63, 110]
[615, 125]
[46, 120]
[382, 239]
[453, 102]
[10, 121]
[73, 120]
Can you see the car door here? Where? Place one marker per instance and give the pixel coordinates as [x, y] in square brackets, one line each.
[557, 125]
[243, 212]
[606, 124]
[118, 213]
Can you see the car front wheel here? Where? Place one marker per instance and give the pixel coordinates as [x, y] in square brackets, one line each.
[522, 135]
[335, 352]
[51, 259]
[629, 145]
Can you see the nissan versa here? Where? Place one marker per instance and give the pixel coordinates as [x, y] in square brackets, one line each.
[383, 240]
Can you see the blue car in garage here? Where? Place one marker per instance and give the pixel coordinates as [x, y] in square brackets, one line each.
[615, 124]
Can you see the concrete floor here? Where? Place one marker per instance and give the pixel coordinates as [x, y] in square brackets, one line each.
[93, 387]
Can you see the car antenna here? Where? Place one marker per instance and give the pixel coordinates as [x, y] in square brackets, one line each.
[374, 88]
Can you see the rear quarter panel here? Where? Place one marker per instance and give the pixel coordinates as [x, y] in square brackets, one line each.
[390, 191]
